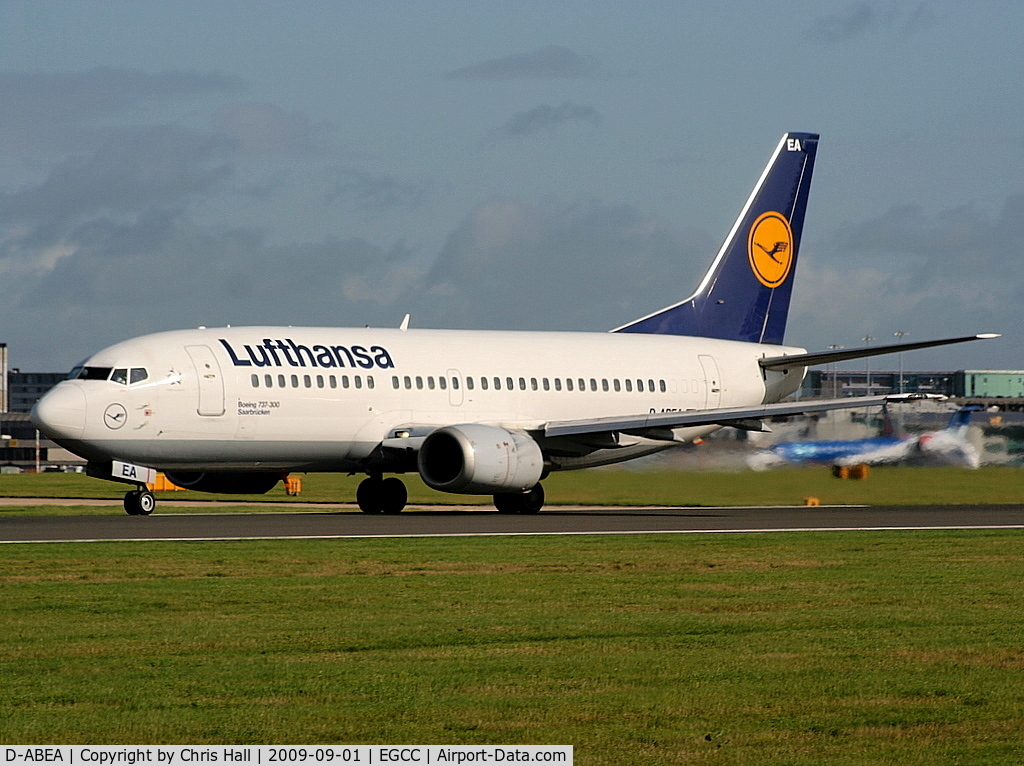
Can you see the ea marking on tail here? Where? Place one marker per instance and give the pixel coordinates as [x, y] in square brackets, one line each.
[770, 248]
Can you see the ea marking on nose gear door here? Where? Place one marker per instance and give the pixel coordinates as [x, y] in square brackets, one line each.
[770, 249]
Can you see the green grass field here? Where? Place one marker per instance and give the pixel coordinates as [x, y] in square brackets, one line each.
[839, 648]
[891, 486]
[800, 648]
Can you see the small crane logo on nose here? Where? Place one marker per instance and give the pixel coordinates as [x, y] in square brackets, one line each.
[115, 416]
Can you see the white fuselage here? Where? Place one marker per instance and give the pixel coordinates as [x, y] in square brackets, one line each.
[322, 399]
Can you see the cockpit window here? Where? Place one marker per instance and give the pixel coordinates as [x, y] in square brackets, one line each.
[122, 375]
[82, 372]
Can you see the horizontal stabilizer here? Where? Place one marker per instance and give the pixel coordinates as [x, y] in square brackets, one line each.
[830, 357]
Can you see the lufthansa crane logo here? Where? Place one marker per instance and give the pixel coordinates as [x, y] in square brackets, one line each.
[115, 416]
[770, 249]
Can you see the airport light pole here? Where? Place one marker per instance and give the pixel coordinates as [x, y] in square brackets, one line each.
[867, 339]
[835, 371]
[899, 334]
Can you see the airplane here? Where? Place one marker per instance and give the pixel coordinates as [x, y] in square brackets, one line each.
[236, 409]
[948, 446]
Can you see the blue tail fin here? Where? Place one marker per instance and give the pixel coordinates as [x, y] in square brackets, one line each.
[745, 294]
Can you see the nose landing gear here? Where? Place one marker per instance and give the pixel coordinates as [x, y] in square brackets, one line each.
[139, 502]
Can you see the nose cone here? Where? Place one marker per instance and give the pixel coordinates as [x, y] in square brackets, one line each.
[60, 414]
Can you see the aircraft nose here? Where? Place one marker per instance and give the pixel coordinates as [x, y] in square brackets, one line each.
[61, 412]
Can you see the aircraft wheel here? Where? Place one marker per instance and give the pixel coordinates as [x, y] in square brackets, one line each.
[369, 495]
[393, 495]
[527, 502]
[139, 502]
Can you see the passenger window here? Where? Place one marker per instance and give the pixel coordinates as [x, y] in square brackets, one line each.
[268, 381]
[509, 384]
[358, 380]
[593, 384]
[629, 384]
[369, 381]
[408, 382]
[639, 385]
[443, 383]
[497, 384]
[394, 382]
[307, 381]
[255, 380]
[568, 384]
[616, 385]
[280, 381]
[604, 384]
[295, 381]
[455, 383]
[419, 382]
[137, 375]
[319, 381]
[546, 383]
[333, 381]
[558, 384]
[650, 385]
[483, 383]
[522, 384]
[469, 383]
[661, 386]
[430, 382]
[344, 381]
[120, 375]
[533, 383]
[582, 384]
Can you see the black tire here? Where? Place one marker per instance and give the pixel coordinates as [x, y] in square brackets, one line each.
[369, 496]
[139, 502]
[393, 495]
[528, 502]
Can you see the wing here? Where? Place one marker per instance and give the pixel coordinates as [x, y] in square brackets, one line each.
[659, 425]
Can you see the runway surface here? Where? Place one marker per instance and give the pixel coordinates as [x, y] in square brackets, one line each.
[327, 522]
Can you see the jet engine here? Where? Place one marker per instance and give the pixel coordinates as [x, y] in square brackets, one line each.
[480, 460]
[227, 482]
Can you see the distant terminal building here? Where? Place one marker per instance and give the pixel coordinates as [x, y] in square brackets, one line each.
[24, 389]
[999, 388]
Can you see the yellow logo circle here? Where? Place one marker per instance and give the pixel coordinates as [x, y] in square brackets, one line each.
[770, 249]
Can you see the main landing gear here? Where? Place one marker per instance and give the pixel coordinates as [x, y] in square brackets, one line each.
[378, 495]
[530, 501]
[139, 502]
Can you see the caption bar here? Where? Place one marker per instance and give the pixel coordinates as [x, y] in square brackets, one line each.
[264, 755]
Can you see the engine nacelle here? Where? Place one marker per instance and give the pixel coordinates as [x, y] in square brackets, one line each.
[227, 482]
[480, 460]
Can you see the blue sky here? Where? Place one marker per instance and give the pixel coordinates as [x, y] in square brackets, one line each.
[525, 165]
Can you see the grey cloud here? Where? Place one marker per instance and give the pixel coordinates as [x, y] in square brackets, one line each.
[52, 111]
[135, 168]
[954, 272]
[586, 266]
[553, 61]
[920, 19]
[855, 21]
[547, 117]
[860, 19]
[265, 129]
[159, 272]
[373, 193]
